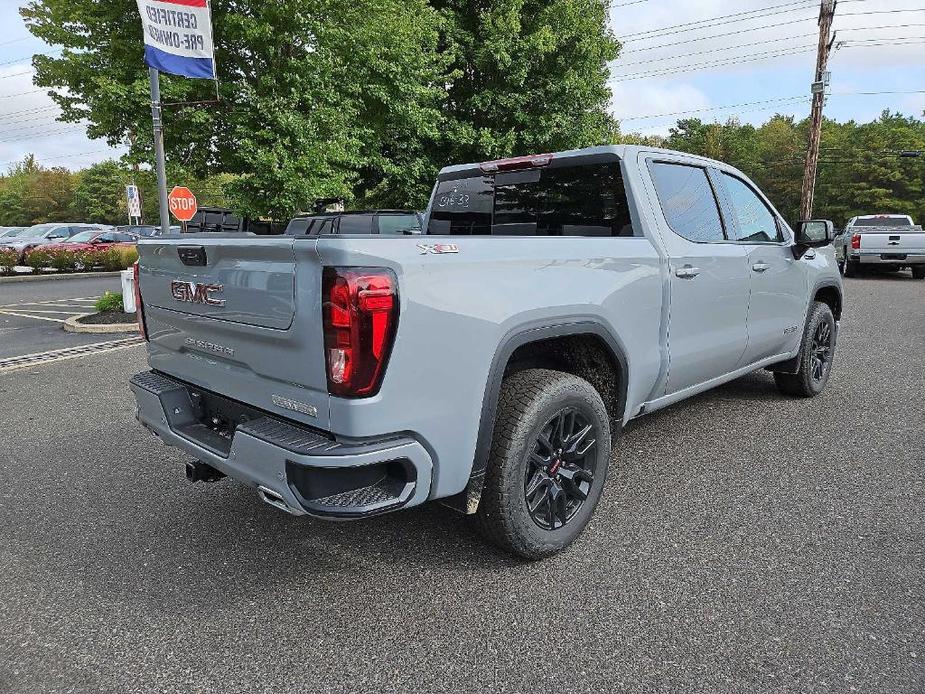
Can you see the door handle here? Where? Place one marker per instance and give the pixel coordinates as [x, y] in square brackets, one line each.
[688, 272]
[761, 267]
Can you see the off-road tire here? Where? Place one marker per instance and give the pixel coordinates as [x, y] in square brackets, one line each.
[804, 383]
[918, 272]
[529, 400]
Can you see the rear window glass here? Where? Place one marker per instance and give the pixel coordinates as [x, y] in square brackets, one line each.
[687, 201]
[882, 222]
[299, 226]
[584, 200]
[355, 224]
[399, 224]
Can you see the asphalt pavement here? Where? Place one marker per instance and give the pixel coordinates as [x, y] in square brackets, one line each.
[746, 542]
[32, 312]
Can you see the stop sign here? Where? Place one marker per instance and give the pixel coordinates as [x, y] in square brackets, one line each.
[183, 204]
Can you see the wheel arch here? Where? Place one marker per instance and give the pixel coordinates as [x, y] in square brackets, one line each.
[829, 293]
[549, 345]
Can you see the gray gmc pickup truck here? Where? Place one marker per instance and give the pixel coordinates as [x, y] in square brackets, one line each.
[491, 362]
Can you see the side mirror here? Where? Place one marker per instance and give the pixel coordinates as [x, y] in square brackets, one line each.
[813, 233]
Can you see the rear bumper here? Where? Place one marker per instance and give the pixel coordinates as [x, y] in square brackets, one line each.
[886, 258]
[295, 469]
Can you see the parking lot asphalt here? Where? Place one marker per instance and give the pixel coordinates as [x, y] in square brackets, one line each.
[746, 542]
[31, 313]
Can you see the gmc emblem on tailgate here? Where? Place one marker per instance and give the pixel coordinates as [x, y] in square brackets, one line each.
[193, 293]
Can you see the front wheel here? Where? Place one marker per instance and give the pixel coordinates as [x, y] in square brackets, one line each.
[816, 353]
[548, 463]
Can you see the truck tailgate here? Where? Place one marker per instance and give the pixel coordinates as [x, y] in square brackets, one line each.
[240, 316]
[892, 241]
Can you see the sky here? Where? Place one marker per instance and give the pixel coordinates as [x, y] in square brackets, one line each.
[678, 56]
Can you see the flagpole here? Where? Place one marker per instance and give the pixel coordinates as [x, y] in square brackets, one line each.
[161, 165]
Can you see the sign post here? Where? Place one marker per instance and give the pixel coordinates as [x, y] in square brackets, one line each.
[178, 40]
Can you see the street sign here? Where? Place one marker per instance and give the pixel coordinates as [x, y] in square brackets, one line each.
[178, 37]
[134, 201]
[182, 203]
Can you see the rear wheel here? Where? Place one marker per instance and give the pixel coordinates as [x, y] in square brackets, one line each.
[816, 353]
[918, 272]
[548, 463]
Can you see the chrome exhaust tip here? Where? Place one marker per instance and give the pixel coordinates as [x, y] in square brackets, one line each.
[274, 499]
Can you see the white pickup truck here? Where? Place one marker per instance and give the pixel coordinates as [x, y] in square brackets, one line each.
[888, 242]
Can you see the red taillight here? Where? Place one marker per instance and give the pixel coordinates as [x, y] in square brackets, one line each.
[532, 161]
[139, 309]
[360, 318]
[856, 241]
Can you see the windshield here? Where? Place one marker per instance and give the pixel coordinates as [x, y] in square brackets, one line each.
[882, 222]
[11, 232]
[83, 237]
[27, 232]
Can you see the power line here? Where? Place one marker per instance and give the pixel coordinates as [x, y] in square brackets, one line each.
[10, 96]
[715, 108]
[16, 74]
[726, 19]
[767, 101]
[767, 55]
[64, 156]
[713, 50]
[674, 44]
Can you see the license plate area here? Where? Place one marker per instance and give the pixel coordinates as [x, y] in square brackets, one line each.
[893, 256]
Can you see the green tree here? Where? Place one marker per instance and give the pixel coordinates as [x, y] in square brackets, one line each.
[100, 193]
[318, 97]
[525, 76]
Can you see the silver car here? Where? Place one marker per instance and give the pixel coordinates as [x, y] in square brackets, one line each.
[27, 238]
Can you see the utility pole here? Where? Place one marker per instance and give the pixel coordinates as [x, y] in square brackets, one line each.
[826, 39]
[160, 163]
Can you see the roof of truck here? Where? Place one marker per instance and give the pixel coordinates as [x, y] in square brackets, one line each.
[620, 151]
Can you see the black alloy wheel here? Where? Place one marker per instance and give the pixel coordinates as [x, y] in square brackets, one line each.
[821, 358]
[561, 469]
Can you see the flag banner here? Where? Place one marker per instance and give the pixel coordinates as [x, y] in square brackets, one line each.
[178, 37]
[134, 201]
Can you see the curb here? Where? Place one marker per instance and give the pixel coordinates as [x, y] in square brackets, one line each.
[72, 326]
[62, 276]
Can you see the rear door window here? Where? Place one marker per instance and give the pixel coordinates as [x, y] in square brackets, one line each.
[582, 200]
[687, 201]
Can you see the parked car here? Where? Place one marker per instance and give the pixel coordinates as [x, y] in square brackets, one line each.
[884, 242]
[9, 231]
[490, 362]
[43, 234]
[94, 240]
[389, 222]
[139, 230]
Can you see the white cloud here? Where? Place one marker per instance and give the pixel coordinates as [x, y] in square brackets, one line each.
[28, 125]
[646, 98]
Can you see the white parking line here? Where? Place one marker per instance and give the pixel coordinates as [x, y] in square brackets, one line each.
[26, 315]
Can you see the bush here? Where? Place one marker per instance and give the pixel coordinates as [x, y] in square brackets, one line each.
[38, 258]
[117, 258]
[8, 260]
[110, 301]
